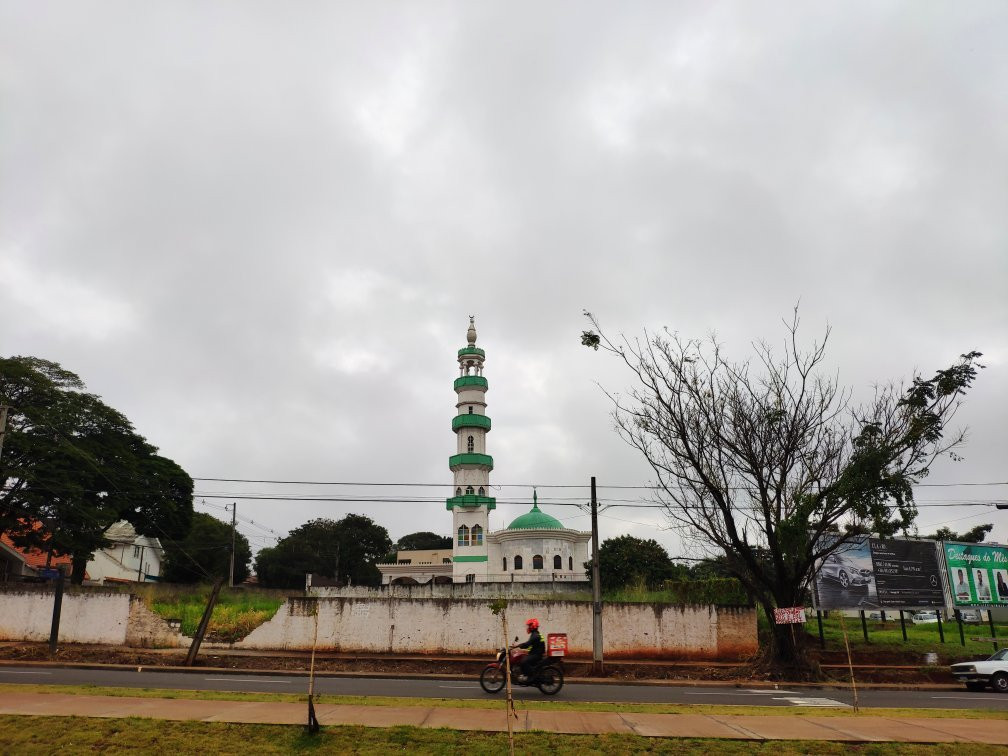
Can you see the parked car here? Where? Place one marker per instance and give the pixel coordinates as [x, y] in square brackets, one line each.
[970, 616]
[845, 571]
[991, 671]
[925, 617]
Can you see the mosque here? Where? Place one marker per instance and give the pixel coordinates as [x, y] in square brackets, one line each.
[534, 548]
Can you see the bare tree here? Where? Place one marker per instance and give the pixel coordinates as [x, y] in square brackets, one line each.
[759, 459]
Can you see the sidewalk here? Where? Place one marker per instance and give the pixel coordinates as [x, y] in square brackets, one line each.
[850, 728]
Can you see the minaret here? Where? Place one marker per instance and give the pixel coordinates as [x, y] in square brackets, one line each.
[471, 466]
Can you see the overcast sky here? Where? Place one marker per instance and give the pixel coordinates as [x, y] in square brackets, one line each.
[258, 229]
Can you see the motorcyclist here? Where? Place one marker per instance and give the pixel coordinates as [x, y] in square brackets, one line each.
[536, 649]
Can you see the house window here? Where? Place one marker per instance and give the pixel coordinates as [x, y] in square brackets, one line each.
[570, 563]
[518, 563]
[557, 562]
[469, 491]
[504, 564]
[477, 535]
[446, 560]
[470, 409]
[470, 445]
[458, 491]
[482, 492]
[405, 561]
[463, 536]
[470, 578]
[537, 562]
[136, 552]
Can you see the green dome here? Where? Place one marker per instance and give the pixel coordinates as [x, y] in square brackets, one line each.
[535, 520]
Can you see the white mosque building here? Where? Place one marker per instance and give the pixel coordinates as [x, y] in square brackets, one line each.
[535, 547]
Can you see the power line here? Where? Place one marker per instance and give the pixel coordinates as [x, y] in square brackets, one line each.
[511, 485]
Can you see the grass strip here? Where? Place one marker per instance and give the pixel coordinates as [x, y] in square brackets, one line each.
[44, 735]
[496, 703]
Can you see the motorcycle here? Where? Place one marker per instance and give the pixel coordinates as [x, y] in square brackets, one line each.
[547, 675]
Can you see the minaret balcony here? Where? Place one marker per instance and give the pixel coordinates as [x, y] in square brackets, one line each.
[471, 350]
[470, 421]
[470, 380]
[471, 500]
[482, 460]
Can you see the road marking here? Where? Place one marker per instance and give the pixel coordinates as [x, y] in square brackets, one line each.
[768, 690]
[16, 672]
[822, 702]
[243, 679]
[731, 692]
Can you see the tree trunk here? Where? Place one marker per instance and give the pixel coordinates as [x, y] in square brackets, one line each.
[786, 652]
[79, 567]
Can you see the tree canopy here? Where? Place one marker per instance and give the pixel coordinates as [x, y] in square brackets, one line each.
[423, 541]
[205, 553]
[74, 465]
[345, 550]
[756, 460]
[974, 535]
[627, 561]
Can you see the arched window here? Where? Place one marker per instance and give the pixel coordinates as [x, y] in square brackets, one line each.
[477, 536]
[469, 491]
[458, 491]
[570, 563]
[470, 409]
[537, 563]
[518, 563]
[470, 444]
[505, 564]
[463, 536]
[557, 562]
[482, 492]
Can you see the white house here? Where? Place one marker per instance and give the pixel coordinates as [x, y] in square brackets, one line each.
[131, 558]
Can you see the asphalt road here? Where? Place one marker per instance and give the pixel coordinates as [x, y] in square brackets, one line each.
[679, 694]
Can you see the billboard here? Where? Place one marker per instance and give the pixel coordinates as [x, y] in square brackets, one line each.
[871, 573]
[978, 574]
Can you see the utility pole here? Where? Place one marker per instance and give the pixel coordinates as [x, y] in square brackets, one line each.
[596, 588]
[140, 576]
[234, 515]
[3, 424]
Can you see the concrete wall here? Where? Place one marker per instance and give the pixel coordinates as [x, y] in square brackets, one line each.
[467, 626]
[543, 589]
[85, 617]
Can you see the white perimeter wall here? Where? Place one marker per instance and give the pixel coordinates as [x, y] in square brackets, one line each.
[467, 626]
[84, 618]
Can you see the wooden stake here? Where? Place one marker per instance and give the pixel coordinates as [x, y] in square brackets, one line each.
[313, 724]
[850, 663]
[509, 705]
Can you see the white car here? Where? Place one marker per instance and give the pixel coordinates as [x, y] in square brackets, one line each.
[926, 617]
[978, 675]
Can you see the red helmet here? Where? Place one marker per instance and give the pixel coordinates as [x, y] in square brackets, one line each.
[532, 624]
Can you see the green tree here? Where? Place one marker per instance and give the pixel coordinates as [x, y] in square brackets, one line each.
[75, 465]
[758, 459]
[973, 535]
[628, 561]
[205, 552]
[345, 550]
[422, 541]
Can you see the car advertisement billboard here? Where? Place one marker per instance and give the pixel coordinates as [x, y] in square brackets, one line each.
[978, 574]
[872, 573]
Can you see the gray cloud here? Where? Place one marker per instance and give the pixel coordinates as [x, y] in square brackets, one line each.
[259, 232]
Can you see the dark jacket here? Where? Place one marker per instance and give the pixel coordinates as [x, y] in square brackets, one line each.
[534, 644]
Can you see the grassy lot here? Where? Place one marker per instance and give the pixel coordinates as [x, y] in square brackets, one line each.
[496, 703]
[237, 612]
[886, 638]
[43, 735]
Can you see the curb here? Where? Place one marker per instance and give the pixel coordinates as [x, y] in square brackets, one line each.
[751, 684]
